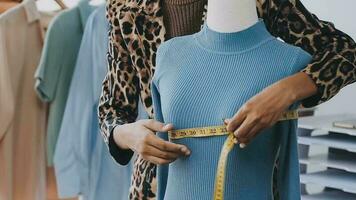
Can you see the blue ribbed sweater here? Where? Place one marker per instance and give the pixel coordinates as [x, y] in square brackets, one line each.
[204, 77]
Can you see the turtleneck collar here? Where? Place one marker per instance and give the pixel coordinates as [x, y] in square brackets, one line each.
[234, 41]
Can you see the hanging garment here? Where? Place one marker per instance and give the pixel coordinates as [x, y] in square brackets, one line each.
[22, 115]
[203, 78]
[82, 162]
[54, 73]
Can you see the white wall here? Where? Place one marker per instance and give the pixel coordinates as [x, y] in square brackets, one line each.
[51, 5]
[343, 14]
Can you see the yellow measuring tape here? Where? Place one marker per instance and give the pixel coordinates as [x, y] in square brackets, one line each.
[227, 147]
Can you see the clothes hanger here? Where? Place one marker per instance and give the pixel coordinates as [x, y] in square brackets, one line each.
[61, 4]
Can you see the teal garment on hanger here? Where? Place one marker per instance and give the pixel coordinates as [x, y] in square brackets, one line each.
[54, 73]
[82, 162]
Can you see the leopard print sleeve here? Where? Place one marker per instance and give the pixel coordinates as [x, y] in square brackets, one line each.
[334, 53]
[119, 98]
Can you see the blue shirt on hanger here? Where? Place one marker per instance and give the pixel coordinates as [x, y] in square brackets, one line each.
[83, 164]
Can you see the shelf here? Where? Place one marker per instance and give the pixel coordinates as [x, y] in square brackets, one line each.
[332, 178]
[340, 160]
[344, 161]
[333, 195]
[338, 141]
[326, 123]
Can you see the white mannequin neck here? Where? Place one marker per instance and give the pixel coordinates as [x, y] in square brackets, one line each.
[231, 15]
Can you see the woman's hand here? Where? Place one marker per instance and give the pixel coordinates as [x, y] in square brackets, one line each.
[264, 109]
[140, 137]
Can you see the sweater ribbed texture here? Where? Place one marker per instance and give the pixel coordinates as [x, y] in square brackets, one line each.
[182, 17]
[205, 77]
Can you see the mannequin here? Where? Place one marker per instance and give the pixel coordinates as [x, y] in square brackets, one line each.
[192, 88]
[236, 15]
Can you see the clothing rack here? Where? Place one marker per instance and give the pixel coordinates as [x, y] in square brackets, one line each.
[338, 175]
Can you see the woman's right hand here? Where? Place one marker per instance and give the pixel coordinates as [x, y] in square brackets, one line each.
[140, 137]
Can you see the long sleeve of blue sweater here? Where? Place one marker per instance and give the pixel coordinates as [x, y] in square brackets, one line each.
[207, 76]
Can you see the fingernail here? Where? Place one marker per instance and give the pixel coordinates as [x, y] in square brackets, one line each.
[184, 149]
[187, 153]
[236, 141]
[242, 145]
[226, 121]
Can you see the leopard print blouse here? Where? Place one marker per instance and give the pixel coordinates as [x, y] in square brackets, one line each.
[137, 29]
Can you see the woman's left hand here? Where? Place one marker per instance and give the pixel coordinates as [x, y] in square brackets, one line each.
[264, 109]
